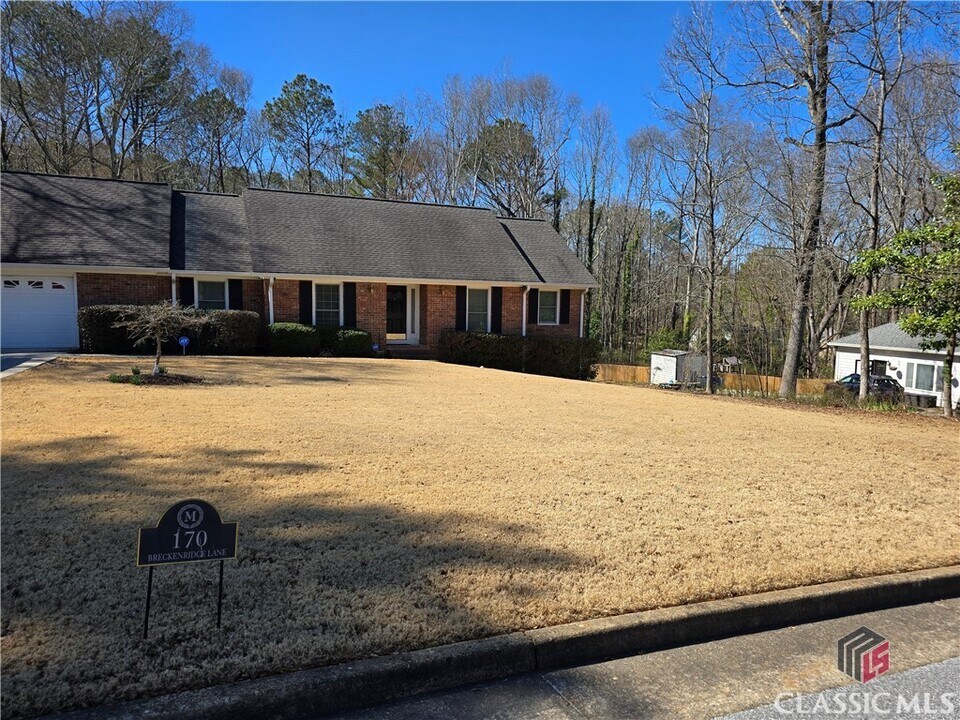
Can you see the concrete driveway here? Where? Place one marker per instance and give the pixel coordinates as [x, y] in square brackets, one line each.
[14, 362]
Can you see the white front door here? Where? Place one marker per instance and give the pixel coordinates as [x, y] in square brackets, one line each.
[39, 312]
[403, 314]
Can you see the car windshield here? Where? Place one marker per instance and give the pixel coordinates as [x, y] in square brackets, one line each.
[850, 378]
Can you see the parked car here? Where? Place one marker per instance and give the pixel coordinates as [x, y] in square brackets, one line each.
[881, 387]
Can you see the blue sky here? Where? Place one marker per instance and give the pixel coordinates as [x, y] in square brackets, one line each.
[607, 53]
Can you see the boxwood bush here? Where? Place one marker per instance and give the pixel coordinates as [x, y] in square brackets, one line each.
[296, 340]
[227, 332]
[560, 357]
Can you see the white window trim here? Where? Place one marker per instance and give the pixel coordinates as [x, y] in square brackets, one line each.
[556, 315]
[313, 316]
[489, 290]
[196, 290]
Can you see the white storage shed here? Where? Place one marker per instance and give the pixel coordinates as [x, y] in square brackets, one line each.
[677, 366]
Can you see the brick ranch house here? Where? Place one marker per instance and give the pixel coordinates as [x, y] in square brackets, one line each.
[402, 271]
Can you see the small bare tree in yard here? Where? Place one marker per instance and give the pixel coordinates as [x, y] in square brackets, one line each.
[159, 323]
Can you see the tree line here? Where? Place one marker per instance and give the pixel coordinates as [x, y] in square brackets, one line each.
[804, 134]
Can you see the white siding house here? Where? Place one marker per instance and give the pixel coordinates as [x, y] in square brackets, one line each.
[897, 355]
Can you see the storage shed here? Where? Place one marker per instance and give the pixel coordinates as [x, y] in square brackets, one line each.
[676, 366]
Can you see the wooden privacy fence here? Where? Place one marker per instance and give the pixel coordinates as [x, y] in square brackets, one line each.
[612, 372]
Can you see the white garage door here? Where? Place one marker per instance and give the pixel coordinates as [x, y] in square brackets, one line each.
[38, 313]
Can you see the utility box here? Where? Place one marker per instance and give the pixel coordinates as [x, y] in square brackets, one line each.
[677, 367]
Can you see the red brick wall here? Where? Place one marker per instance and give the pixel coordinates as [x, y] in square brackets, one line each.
[571, 330]
[372, 310]
[512, 315]
[254, 298]
[440, 315]
[286, 301]
[113, 289]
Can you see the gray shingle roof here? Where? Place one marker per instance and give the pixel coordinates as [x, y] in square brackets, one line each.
[882, 336]
[86, 221]
[213, 233]
[82, 221]
[544, 247]
[334, 235]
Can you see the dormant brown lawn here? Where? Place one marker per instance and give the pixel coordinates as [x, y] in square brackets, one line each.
[392, 505]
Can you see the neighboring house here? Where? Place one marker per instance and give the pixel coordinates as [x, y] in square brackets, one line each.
[403, 271]
[898, 355]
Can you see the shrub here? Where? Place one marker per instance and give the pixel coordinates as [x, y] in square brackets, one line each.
[503, 352]
[97, 331]
[352, 343]
[294, 340]
[560, 357]
[228, 332]
[225, 332]
[574, 358]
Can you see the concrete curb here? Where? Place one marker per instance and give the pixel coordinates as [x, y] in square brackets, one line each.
[370, 681]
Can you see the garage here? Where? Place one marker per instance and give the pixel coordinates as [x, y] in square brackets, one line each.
[39, 312]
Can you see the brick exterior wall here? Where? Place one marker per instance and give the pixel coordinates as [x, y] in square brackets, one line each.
[372, 310]
[441, 313]
[511, 317]
[255, 298]
[286, 301]
[571, 330]
[114, 289]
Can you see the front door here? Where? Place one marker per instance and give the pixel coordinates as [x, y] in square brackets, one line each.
[403, 314]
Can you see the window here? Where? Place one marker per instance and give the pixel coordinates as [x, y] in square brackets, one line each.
[328, 305]
[57, 286]
[910, 367]
[35, 284]
[478, 310]
[11, 284]
[212, 295]
[924, 377]
[549, 307]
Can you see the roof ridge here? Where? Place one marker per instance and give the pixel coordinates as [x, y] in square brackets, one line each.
[206, 192]
[506, 217]
[371, 199]
[83, 177]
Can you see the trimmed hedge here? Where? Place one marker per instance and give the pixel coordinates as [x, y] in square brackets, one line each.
[296, 340]
[227, 332]
[574, 358]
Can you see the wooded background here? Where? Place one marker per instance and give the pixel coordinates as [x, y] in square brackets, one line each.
[811, 132]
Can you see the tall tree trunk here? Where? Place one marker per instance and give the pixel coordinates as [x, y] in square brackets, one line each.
[948, 376]
[817, 106]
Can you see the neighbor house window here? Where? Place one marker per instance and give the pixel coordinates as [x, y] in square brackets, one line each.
[212, 295]
[328, 306]
[549, 307]
[924, 378]
[910, 367]
[478, 310]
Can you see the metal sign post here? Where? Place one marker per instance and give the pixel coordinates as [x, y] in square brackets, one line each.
[189, 531]
[184, 341]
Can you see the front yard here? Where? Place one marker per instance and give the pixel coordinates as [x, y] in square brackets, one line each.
[391, 505]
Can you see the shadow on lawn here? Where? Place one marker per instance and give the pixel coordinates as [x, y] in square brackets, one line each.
[319, 578]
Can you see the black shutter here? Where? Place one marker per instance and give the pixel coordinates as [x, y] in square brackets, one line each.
[533, 304]
[564, 307]
[496, 310]
[306, 302]
[185, 291]
[235, 288]
[461, 308]
[350, 304]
